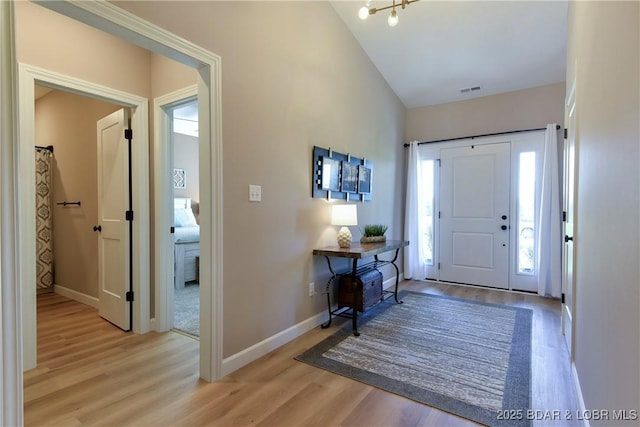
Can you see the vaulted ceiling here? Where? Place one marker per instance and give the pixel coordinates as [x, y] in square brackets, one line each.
[440, 48]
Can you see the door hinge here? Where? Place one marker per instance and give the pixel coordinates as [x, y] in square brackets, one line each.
[563, 298]
[129, 296]
[566, 133]
[438, 266]
[564, 216]
[128, 134]
[439, 214]
[173, 230]
[128, 215]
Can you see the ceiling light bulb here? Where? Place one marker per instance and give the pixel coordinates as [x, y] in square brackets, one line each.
[363, 12]
[393, 19]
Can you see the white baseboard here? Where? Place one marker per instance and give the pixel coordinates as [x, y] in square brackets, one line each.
[392, 281]
[77, 296]
[576, 383]
[248, 355]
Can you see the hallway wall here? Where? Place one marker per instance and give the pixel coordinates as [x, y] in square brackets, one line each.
[604, 59]
[49, 40]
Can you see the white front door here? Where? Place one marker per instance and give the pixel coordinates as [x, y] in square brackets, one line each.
[474, 215]
[113, 194]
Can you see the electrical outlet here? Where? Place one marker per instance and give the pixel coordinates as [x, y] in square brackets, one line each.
[312, 289]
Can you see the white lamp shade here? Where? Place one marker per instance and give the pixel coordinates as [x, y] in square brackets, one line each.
[344, 215]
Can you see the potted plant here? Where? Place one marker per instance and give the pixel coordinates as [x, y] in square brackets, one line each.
[373, 233]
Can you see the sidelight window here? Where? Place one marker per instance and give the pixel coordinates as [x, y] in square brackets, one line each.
[426, 173]
[526, 209]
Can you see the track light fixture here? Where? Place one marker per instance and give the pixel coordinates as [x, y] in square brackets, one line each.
[368, 9]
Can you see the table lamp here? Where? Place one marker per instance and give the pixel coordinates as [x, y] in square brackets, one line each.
[344, 215]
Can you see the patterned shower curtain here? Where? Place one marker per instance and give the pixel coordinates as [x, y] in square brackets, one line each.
[44, 243]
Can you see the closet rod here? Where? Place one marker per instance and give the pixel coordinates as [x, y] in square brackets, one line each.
[480, 136]
[48, 147]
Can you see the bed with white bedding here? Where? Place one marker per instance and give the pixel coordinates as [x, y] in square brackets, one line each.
[186, 247]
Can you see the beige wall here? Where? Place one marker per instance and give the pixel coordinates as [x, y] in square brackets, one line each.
[523, 109]
[292, 77]
[603, 57]
[51, 41]
[68, 122]
[168, 75]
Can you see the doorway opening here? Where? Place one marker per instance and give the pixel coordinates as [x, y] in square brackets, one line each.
[31, 76]
[186, 225]
[70, 228]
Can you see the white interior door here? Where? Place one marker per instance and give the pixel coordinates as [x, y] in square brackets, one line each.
[568, 282]
[113, 246]
[474, 215]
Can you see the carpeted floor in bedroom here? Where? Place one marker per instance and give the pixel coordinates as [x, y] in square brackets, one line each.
[186, 309]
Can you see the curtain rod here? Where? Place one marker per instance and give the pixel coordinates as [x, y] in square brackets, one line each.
[480, 136]
[48, 147]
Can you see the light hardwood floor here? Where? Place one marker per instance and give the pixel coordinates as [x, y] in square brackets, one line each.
[90, 373]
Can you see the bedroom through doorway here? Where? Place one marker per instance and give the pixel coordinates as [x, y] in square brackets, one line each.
[186, 225]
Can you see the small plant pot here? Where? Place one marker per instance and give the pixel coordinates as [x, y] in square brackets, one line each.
[373, 239]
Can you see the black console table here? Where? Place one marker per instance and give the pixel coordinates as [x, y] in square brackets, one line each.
[357, 252]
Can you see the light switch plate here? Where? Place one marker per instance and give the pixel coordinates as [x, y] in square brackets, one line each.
[255, 193]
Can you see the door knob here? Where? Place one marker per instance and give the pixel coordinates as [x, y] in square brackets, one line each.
[97, 228]
[503, 227]
[504, 217]
[567, 238]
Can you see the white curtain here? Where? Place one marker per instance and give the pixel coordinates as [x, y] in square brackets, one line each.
[415, 264]
[550, 227]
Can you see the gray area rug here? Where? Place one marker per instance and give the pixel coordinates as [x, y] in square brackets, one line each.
[186, 309]
[468, 358]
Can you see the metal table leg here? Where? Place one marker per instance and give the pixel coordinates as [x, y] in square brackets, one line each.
[354, 285]
[393, 263]
[328, 322]
[328, 289]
